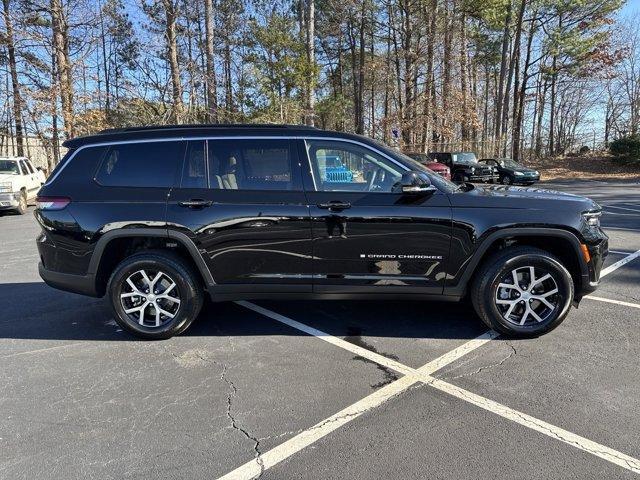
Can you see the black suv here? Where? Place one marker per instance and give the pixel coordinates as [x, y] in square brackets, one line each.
[464, 167]
[154, 218]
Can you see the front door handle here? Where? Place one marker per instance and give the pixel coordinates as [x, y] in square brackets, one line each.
[195, 203]
[334, 205]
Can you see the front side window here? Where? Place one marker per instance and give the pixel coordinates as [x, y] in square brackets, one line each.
[346, 167]
[145, 164]
[246, 164]
[23, 166]
[29, 166]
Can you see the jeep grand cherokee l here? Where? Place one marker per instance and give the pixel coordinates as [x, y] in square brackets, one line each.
[155, 218]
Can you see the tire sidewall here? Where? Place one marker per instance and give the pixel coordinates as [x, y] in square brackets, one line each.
[22, 206]
[560, 275]
[185, 313]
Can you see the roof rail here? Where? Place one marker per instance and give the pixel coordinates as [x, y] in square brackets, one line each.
[205, 126]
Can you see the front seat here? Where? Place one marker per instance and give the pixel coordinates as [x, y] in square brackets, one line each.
[229, 180]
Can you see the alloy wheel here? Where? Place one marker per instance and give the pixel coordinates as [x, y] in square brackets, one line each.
[527, 295]
[150, 298]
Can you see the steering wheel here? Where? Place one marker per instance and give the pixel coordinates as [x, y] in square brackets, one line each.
[378, 174]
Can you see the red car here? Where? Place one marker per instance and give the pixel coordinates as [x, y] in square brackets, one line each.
[439, 168]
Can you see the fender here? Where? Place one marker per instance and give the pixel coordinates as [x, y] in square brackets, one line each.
[183, 239]
[513, 232]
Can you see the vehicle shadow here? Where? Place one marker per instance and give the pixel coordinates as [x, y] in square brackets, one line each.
[36, 311]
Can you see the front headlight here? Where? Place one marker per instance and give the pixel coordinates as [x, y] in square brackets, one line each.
[473, 170]
[592, 219]
[519, 173]
[536, 172]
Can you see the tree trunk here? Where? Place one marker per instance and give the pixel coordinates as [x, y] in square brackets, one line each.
[310, 37]
[503, 74]
[172, 50]
[212, 94]
[61, 48]
[13, 69]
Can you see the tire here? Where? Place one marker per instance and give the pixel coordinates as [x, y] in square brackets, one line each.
[502, 308]
[180, 303]
[506, 180]
[21, 209]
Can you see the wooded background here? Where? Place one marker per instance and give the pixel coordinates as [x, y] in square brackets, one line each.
[516, 78]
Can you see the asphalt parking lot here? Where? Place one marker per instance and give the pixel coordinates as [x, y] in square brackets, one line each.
[334, 389]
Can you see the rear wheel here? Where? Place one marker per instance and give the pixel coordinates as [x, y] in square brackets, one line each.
[154, 295]
[522, 292]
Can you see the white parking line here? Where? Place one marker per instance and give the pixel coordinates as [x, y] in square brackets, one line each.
[614, 266]
[309, 436]
[272, 457]
[617, 302]
[637, 210]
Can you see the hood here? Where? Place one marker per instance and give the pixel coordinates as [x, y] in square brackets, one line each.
[521, 198]
[435, 165]
[8, 177]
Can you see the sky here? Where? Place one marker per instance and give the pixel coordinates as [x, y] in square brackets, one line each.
[632, 7]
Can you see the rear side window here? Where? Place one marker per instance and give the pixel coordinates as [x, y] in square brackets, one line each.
[267, 164]
[146, 164]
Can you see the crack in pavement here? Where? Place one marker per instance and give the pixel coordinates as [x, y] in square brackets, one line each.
[233, 390]
[512, 353]
[256, 442]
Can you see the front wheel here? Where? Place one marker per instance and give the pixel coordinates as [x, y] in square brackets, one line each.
[21, 209]
[522, 292]
[507, 180]
[154, 295]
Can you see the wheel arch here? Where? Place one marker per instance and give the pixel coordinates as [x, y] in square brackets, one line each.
[561, 243]
[116, 245]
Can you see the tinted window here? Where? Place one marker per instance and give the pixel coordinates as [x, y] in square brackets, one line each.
[345, 167]
[29, 166]
[23, 167]
[194, 171]
[252, 165]
[9, 166]
[147, 164]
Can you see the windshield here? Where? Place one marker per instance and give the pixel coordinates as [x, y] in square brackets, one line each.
[466, 157]
[9, 166]
[438, 181]
[509, 163]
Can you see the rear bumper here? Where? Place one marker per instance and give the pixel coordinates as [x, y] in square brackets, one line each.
[82, 284]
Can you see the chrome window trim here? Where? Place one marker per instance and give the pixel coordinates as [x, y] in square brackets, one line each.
[227, 137]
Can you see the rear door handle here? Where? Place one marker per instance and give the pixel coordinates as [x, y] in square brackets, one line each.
[196, 203]
[334, 205]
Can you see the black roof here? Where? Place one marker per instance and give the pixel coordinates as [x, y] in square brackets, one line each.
[186, 131]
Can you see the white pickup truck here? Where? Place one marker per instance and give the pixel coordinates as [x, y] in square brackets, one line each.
[19, 183]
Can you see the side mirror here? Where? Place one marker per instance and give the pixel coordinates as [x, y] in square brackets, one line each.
[416, 183]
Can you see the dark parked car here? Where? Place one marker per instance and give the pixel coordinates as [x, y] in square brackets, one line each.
[439, 168]
[155, 218]
[512, 172]
[465, 167]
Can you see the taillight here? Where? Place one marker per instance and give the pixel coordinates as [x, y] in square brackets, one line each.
[52, 203]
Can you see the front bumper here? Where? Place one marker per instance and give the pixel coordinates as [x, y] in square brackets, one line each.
[526, 178]
[8, 200]
[591, 279]
[482, 178]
